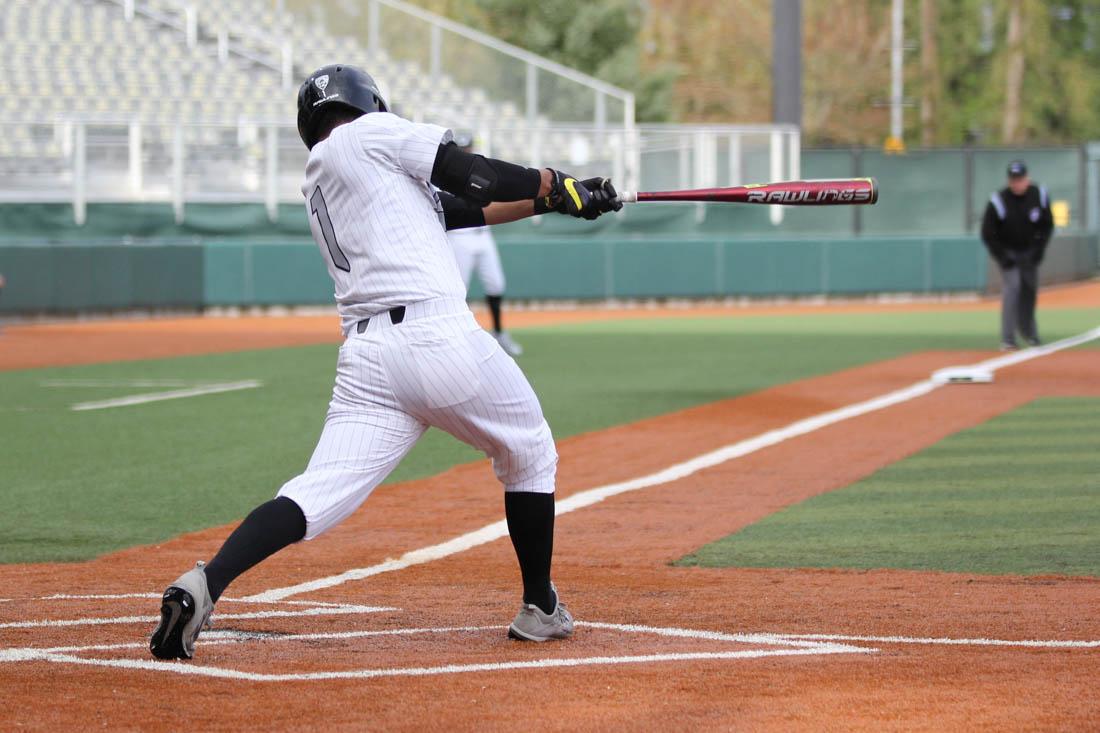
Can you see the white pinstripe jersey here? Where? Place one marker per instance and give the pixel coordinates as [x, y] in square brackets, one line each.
[476, 238]
[377, 219]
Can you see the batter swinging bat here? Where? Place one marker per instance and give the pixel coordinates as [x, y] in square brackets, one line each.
[843, 192]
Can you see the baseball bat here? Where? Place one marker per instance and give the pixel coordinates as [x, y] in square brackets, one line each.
[840, 192]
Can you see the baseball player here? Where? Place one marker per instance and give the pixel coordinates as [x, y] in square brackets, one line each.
[380, 192]
[475, 248]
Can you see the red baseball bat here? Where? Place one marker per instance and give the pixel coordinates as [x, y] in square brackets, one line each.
[841, 192]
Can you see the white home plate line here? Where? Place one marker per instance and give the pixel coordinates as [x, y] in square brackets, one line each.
[778, 647]
[342, 610]
[236, 636]
[1025, 643]
[221, 672]
[176, 394]
[497, 530]
[210, 638]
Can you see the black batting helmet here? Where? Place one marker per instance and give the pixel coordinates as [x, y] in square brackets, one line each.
[336, 84]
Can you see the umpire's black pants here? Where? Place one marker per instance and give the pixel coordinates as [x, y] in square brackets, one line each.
[1020, 291]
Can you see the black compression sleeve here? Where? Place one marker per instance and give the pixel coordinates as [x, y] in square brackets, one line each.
[269, 528]
[460, 213]
[483, 180]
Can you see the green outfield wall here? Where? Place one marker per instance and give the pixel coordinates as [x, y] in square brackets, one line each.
[67, 278]
[921, 237]
[71, 278]
[547, 269]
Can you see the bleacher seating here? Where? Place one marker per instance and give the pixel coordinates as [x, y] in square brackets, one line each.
[83, 60]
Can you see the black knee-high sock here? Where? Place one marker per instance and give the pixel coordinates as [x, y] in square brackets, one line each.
[269, 528]
[531, 526]
[494, 301]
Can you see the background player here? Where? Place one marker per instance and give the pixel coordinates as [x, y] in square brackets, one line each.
[1016, 229]
[475, 248]
[380, 192]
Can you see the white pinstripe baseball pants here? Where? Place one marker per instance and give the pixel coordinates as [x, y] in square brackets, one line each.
[436, 368]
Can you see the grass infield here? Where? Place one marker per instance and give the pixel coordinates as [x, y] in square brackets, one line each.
[78, 484]
[1019, 494]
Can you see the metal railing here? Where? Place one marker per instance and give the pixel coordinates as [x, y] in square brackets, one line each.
[185, 17]
[80, 160]
[705, 156]
[428, 46]
[437, 44]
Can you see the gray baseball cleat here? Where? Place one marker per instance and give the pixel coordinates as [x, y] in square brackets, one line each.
[511, 348]
[184, 612]
[531, 624]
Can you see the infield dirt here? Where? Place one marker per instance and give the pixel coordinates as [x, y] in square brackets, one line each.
[67, 342]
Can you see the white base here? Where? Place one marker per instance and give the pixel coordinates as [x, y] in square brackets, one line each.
[963, 375]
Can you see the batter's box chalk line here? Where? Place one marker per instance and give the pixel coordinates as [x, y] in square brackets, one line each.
[768, 646]
[296, 610]
[764, 644]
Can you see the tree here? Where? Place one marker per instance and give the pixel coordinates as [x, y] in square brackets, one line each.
[598, 38]
[1014, 75]
[930, 71]
[989, 71]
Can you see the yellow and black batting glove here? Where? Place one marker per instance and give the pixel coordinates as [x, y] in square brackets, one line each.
[596, 196]
[569, 196]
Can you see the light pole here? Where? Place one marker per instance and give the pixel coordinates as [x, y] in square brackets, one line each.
[895, 143]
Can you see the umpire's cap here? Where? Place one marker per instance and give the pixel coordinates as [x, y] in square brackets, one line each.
[336, 84]
[1017, 169]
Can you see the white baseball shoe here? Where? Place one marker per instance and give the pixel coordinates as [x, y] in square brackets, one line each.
[511, 348]
[531, 624]
[184, 611]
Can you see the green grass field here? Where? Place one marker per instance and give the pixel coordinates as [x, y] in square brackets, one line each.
[1018, 494]
[78, 484]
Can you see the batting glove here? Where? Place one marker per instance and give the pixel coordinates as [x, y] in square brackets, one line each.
[567, 196]
[604, 196]
[587, 199]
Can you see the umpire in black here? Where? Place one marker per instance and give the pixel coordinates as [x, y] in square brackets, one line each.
[1016, 228]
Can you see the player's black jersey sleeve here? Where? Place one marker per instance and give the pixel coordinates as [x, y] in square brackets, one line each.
[460, 213]
[482, 180]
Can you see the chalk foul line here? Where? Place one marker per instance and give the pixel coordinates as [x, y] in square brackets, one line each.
[103, 383]
[498, 530]
[930, 640]
[589, 497]
[175, 394]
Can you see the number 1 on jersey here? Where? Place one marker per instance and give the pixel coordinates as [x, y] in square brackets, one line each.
[320, 210]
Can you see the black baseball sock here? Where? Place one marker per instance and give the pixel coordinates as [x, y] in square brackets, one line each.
[531, 526]
[269, 528]
[494, 301]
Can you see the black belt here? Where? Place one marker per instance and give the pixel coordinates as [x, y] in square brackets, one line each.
[396, 316]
